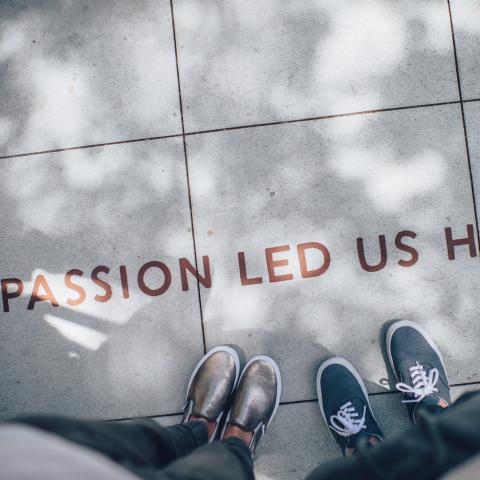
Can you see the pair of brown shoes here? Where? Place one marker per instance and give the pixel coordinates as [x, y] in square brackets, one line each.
[220, 391]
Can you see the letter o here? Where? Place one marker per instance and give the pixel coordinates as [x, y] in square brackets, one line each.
[166, 283]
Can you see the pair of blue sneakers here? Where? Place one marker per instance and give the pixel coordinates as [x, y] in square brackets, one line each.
[421, 376]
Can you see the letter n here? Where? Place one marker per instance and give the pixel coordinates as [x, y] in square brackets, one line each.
[185, 265]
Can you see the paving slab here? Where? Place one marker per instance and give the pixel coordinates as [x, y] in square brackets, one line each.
[80, 73]
[245, 62]
[466, 22]
[98, 354]
[332, 182]
[472, 120]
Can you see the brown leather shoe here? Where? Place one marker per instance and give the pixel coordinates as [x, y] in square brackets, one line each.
[211, 385]
[256, 399]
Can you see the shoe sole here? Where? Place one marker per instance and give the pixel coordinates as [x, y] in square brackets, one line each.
[351, 369]
[407, 323]
[276, 368]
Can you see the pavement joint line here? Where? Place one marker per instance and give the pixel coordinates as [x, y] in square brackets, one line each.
[467, 148]
[323, 117]
[93, 145]
[164, 415]
[192, 225]
[292, 402]
[239, 127]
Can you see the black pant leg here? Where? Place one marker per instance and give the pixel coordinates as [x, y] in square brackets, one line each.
[153, 452]
[229, 460]
[424, 452]
[133, 444]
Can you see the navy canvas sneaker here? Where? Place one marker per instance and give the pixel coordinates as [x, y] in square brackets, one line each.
[418, 366]
[344, 404]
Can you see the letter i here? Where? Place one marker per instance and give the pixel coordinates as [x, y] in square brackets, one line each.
[124, 280]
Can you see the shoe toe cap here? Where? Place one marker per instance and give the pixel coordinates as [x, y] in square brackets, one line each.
[212, 385]
[256, 396]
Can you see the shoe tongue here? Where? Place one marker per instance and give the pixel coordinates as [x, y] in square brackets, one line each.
[358, 403]
[359, 407]
[407, 372]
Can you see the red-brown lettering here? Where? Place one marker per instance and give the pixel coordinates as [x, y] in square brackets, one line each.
[166, 282]
[185, 265]
[124, 281]
[272, 264]
[469, 240]
[102, 283]
[48, 296]
[406, 248]
[383, 255]
[242, 266]
[73, 286]
[306, 273]
[8, 295]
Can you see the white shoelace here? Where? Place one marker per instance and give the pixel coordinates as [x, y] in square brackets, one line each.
[347, 421]
[422, 384]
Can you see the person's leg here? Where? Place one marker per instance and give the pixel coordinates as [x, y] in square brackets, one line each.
[210, 391]
[421, 376]
[345, 407]
[436, 444]
[229, 459]
[417, 363]
[154, 452]
[133, 444]
[143, 446]
[256, 400]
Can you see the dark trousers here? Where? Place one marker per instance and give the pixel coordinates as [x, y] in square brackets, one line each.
[153, 452]
[439, 442]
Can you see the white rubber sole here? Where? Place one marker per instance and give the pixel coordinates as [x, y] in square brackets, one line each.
[351, 369]
[407, 323]
[276, 368]
[222, 348]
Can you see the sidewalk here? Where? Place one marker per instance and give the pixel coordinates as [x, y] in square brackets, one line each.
[268, 142]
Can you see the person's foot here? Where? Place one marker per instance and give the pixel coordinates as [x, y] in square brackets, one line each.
[418, 365]
[256, 400]
[344, 405]
[211, 386]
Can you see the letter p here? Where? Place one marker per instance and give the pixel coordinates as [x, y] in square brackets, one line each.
[6, 295]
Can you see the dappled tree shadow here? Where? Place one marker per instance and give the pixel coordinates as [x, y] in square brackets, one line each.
[78, 73]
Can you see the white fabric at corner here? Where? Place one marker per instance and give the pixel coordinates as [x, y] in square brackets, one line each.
[468, 470]
[27, 453]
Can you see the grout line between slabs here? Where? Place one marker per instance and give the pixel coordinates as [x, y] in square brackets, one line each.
[375, 394]
[464, 123]
[295, 402]
[323, 117]
[93, 145]
[239, 127]
[188, 176]
[165, 415]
